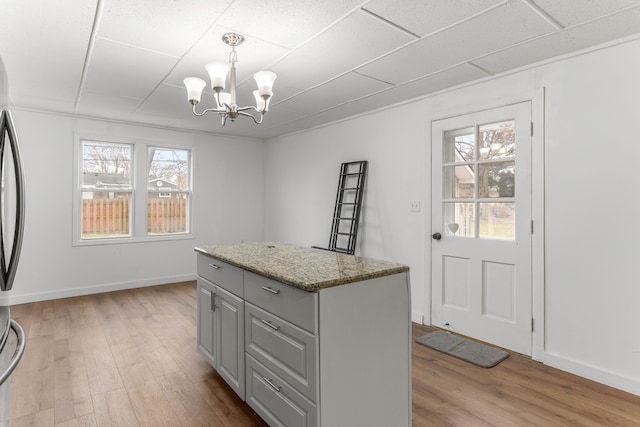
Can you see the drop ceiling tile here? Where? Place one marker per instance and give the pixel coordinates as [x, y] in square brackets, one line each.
[253, 55]
[169, 101]
[503, 26]
[44, 67]
[126, 71]
[593, 33]
[436, 82]
[339, 91]
[277, 116]
[329, 116]
[108, 106]
[427, 16]
[164, 26]
[28, 26]
[287, 23]
[357, 39]
[162, 110]
[573, 12]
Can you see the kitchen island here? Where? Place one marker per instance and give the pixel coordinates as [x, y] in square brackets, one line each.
[308, 337]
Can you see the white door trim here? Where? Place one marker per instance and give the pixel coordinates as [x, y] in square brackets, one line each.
[537, 215]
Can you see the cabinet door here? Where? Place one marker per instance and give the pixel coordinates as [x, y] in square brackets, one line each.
[229, 318]
[206, 296]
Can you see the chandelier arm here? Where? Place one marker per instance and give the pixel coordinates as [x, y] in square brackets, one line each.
[215, 110]
[250, 107]
[252, 116]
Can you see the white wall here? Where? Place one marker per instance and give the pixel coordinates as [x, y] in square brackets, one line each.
[227, 207]
[4, 86]
[592, 236]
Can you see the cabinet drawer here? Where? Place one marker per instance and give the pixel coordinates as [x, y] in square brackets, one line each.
[295, 305]
[275, 401]
[222, 274]
[285, 349]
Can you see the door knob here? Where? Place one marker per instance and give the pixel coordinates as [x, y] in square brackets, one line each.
[437, 236]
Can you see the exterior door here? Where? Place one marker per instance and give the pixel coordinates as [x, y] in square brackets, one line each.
[481, 226]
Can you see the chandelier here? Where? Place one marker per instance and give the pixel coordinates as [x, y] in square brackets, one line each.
[226, 105]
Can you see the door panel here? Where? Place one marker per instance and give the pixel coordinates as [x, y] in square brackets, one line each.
[206, 321]
[456, 286]
[481, 202]
[230, 330]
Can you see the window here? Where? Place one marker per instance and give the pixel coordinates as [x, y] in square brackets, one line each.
[107, 189]
[168, 190]
[479, 181]
[111, 205]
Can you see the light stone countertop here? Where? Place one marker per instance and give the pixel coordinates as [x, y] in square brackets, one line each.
[305, 268]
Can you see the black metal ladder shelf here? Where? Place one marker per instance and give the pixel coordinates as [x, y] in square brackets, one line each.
[346, 215]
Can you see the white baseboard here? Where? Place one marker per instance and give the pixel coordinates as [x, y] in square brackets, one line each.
[417, 317]
[9, 299]
[593, 373]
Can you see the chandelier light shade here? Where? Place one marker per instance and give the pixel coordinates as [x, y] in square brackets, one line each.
[226, 105]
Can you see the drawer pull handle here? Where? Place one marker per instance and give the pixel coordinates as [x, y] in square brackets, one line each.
[215, 267]
[268, 289]
[272, 385]
[213, 301]
[271, 325]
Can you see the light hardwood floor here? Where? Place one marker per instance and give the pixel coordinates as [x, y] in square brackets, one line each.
[129, 358]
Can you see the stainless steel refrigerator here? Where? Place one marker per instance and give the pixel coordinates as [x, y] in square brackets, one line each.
[11, 231]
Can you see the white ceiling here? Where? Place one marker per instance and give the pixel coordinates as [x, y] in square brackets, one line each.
[126, 59]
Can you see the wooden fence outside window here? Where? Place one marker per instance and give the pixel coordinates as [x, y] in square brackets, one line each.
[110, 217]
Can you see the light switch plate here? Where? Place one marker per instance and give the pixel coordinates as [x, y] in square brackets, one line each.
[414, 205]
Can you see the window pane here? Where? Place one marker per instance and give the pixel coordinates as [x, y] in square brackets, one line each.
[497, 140]
[106, 165]
[459, 219]
[459, 146]
[168, 169]
[105, 214]
[458, 182]
[168, 185]
[167, 214]
[497, 220]
[496, 180]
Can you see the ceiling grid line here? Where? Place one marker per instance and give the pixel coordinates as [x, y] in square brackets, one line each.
[94, 29]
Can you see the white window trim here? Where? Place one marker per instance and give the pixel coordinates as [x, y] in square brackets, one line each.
[139, 193]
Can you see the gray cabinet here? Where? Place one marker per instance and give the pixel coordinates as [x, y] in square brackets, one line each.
[221, 320]
[339, 355]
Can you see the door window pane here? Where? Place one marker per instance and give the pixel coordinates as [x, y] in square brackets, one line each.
[459, 182]
[459, 219]
[497, 140]
[496, 180]
[497, 220]
[459, 146]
